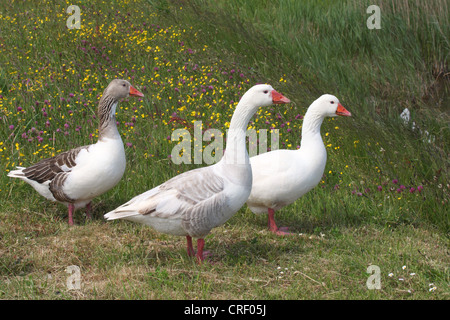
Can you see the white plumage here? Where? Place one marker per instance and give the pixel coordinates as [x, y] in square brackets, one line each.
[282, 176]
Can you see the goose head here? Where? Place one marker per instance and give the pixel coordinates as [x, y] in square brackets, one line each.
[263, 95]
[119, 89]
[116, 90]
[329, 106]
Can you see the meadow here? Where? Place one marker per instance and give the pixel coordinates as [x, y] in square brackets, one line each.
[384, 196]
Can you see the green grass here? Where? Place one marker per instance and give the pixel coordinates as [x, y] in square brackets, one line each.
[304, 49]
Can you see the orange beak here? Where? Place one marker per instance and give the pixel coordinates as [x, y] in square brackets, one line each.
[278, 98]
[341, 111]
[134, 92]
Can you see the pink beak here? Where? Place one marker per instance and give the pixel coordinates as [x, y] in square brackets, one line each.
[278, 98]
[134, 92]
[341, 111]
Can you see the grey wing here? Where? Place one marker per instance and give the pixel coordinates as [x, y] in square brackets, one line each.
[205, 199]
[195, 197]
[55, 170]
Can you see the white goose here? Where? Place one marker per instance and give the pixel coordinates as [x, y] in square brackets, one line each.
[196, 201]
[282, 176]
[77, 176]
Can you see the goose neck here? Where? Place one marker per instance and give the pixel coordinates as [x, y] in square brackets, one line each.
[107, 127]
[311, 125]
[236, 149]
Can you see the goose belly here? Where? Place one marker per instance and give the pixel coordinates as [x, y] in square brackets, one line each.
[42, 188]
[98, 170]
[283, 190]
[167, 226]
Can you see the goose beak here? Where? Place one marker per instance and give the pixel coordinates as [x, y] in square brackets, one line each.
[278, 98]
[341, 111]
[134, 92]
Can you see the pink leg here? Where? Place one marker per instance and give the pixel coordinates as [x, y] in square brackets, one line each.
[201, 255]
[200, 245]
[273, 226]
[71, 210]
[88, 211]
[190, 248]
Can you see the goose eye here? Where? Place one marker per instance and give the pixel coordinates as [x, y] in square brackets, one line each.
[266, 91]
[332, 102]
[124, 85]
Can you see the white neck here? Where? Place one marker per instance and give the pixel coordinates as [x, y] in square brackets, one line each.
[236, 149]
[311, 128]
